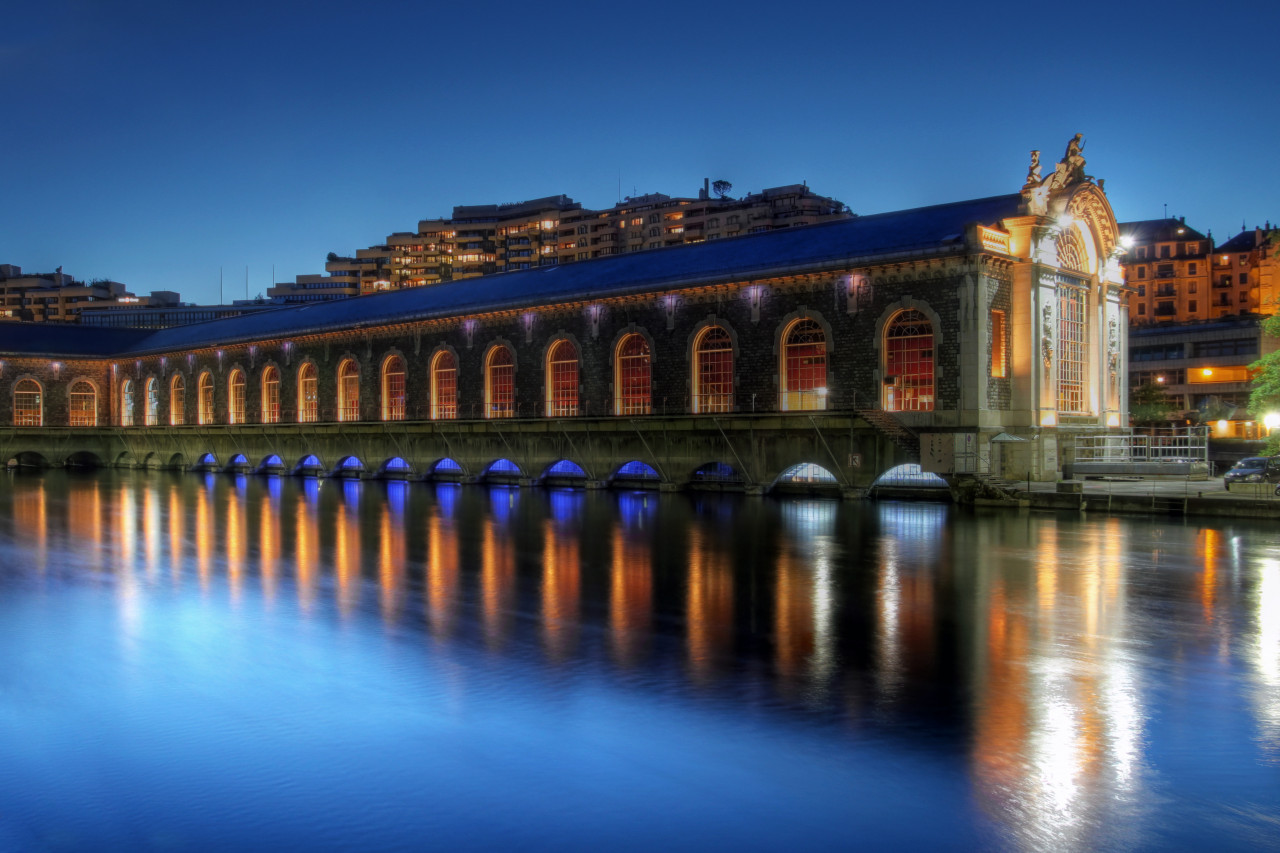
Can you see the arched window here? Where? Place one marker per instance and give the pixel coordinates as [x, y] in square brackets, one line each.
[84, 404]
[204, 401]
[1073, 359]
[631, 381]
[713, 371]
[348, 391]
[804, 367]
[499, 383]
[177, 400]
[562, 380]
[28, 405]
[308, 394]
[444, 386]
[151, 416]
[908, 363]
[393, 389]
[235, 397]
[270, 395]
[126, 403]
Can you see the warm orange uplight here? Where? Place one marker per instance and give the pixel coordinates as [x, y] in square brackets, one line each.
[1113, 420]
[1206, 372]
[1048, 419]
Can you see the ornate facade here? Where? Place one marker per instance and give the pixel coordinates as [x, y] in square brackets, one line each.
[945, 327]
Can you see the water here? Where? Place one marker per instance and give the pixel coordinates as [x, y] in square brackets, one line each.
[216, 663]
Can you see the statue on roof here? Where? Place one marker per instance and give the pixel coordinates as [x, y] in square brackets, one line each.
[1069, 170]
[1033, 173]
[1074, 160]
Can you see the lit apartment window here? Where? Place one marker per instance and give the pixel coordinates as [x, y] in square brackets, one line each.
[804, 367]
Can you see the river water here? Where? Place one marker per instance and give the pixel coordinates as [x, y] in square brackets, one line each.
[193, 662]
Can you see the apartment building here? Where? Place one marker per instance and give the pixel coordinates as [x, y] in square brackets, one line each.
[1167, 269]
[58, 297]
[482, 239]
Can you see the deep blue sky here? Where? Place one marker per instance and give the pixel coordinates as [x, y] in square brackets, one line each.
[154, 142]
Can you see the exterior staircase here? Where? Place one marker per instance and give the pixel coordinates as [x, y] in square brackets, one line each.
[891, 428]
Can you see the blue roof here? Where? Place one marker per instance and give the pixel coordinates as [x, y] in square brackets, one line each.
[62, 339]
[810, 248]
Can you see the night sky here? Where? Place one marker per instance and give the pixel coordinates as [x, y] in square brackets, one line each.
[156, 142]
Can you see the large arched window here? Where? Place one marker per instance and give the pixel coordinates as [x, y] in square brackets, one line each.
[562, 380]
[348, 390]
[713, 371]
[631, 380]
[126, 403]
[235, 397]
[499, 383]
[151, 416]
[804, 367]
[1072, 356]
[204, 399]
[28, 403]
[177, 400]
[393, 388]
[444, 386]
[908, 363]
[84, 404]
[270, 395]
[308, 394]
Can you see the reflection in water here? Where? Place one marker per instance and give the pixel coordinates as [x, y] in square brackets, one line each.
[1033, 673]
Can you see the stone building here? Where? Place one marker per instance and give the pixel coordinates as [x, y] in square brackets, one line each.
[938, 329]
[58, 297]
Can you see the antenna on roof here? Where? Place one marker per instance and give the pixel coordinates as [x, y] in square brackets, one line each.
[1166, 211]
[220, 297]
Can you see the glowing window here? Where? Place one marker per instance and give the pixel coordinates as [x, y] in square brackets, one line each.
[637, 470]
[177, 400]
[126, 403]
[446, 464]
[308, 394]
[204, 405]
[235, 397]
[270, 395]
[716, 472]
[310, 462]
[566, 468]
[999, 360]
[151, 416]
[713, 371]
[444, 386]
[908, 370]
[395, 463]
[503, 466]
[808, 474]
[28, 407]
[351, 463]
[348, 391]
[84, 405]
[500, 383]
[562, 380]
[804, 367]
[632, 377]
[393, 398]
[1071, 350]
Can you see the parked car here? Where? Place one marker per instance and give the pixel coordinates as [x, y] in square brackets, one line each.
[1253, 469]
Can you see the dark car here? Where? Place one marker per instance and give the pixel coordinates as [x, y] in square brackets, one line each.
[1253, 469]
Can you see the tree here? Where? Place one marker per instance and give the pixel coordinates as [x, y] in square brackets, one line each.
[1150, 405]
[721, 188]
[1264, 398]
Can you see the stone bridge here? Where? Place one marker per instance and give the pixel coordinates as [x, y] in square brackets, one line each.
[751, 452]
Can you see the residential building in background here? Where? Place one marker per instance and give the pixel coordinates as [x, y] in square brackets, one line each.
[1167, 269]
[482, 239]
[58, 297]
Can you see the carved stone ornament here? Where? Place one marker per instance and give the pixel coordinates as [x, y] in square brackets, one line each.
[1069, 170]
[1046, 338]
[1113, 348]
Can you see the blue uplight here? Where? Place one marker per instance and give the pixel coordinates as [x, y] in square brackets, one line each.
[503, 466]
[446, 464]
[637, 470]
[566, 468]
[395, 463]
